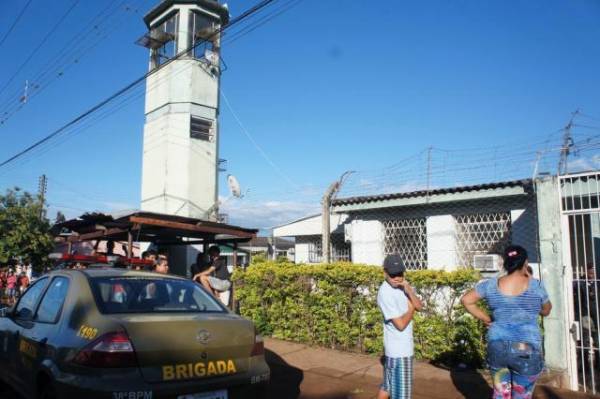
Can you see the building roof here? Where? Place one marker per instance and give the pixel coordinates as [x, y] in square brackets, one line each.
[210, 5]
[151, 227]
[525, 184]
[280, 243]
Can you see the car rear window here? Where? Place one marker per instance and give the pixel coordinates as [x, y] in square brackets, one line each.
[150, 295]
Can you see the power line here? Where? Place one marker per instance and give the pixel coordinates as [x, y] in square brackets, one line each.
[8, 32]
[35, 51]
[136, 82]
[254, 143]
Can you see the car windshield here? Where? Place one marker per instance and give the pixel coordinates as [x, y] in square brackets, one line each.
[150, 295]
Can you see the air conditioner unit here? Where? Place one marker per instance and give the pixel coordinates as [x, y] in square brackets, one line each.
[487, 263]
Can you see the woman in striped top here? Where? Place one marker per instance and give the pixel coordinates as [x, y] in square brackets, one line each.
[514, 351]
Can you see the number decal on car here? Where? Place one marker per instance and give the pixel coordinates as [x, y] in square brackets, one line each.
[87, 332]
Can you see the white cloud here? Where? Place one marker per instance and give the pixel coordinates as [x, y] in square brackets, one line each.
[584, 164]
[266, 214]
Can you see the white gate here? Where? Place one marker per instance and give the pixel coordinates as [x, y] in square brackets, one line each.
[580, 209]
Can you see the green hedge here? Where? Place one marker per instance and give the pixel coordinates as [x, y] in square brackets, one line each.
[334, 305]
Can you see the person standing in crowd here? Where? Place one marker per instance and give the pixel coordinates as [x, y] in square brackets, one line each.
[23, 283]
[514, 348]
[2, 283]
[398, 302]
[11, 286]
[150, 256]
[198, 267]
[162, 265]
[216, 278]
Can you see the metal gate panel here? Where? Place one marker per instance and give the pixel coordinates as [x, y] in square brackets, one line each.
[580, 205]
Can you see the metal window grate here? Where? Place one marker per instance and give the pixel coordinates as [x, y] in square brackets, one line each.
[580, 192]
[340, 249]
[200, 129]
[408, 238]
[481, 233]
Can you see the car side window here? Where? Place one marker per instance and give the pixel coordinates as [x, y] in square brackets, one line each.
[53, 300]
[26, 306]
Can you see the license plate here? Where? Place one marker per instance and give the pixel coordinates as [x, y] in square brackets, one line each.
[222, 394]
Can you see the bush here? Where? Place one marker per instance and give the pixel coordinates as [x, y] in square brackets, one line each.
[334, 305]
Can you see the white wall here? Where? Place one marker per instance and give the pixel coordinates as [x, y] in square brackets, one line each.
[367, 241]
[301, 252]
[441, 242]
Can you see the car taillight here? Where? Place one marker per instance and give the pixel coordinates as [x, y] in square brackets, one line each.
[111, 350]
[259, 346]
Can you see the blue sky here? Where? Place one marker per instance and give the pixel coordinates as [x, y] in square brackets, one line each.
[327, 86]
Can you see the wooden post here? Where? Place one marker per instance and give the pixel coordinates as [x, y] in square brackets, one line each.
[129, 244]
[234, 302]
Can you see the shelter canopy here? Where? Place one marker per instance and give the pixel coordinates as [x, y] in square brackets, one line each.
[161, 229]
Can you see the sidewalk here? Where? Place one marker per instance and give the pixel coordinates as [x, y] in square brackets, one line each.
[301, 371]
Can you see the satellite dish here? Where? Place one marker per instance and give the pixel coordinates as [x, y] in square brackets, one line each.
[234, 186]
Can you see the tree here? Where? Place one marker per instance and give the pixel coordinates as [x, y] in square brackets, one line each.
[23, 233]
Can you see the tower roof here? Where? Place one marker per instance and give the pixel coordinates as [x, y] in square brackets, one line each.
[210, 5]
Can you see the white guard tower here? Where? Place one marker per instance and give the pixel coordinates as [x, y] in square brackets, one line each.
[181, 140]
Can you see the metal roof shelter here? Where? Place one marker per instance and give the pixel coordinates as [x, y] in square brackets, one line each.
[160, 229]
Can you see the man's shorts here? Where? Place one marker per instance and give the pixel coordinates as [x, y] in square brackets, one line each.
[398, 377]
[218, 284]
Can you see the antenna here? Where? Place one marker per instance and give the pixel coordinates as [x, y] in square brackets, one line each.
[234, 186]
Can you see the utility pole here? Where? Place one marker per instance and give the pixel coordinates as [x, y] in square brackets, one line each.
[566, 146]
[326, 230]
[42, 188]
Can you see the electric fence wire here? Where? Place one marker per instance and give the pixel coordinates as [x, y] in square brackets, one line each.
[463, 169]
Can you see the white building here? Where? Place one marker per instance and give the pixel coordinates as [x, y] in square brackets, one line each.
[436, 229]
[556, 218]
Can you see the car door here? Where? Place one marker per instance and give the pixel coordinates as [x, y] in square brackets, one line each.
[42, 337]
[20, 350]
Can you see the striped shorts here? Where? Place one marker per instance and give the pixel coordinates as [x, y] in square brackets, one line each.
[398, 377]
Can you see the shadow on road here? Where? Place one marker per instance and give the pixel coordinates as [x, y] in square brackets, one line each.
[470, 383]
[285, 379]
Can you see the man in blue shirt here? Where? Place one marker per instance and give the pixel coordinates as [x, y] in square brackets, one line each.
[398, 303]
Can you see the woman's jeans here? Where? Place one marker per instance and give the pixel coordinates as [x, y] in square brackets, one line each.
[515, 367]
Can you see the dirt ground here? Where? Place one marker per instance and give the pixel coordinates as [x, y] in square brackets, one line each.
[302, 372]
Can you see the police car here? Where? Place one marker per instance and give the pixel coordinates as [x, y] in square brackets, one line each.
[105, 332]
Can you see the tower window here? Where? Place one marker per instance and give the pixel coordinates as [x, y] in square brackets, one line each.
[165, 33]
[203, 36]
[200, 129]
